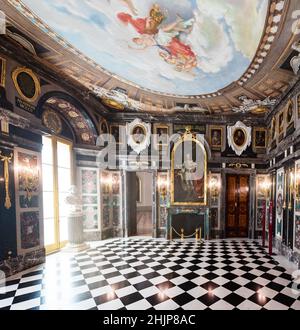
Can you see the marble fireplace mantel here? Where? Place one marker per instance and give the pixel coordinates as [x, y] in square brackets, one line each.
[186, 210]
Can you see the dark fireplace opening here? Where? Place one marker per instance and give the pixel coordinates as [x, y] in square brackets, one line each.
[188, 222]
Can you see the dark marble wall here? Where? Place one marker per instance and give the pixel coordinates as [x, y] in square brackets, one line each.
[8, 231]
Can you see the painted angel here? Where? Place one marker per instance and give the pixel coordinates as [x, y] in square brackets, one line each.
[171, 48]
[148, 25]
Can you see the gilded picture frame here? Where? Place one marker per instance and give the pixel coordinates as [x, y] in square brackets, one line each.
[20, 89]
[2, 71]
[260, 142]
[216, 142]
[175, 186]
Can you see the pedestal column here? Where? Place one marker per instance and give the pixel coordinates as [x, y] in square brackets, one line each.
[75, 223]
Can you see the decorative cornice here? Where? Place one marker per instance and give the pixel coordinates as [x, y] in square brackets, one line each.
[273, 21]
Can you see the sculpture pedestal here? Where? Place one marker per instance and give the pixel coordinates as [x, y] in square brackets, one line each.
[75, 231]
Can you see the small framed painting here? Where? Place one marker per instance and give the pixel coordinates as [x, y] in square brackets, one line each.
[260, 138]
[103, 127]
[216, 137]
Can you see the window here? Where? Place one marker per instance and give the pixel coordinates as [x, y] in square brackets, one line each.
[57, 174]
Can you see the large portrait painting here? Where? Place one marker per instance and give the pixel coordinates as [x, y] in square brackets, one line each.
[189, 172]
[191, 48]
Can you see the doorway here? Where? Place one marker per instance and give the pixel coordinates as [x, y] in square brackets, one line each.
[237, 205]
[139, 203]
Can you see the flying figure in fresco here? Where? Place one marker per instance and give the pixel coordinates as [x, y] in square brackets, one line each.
[166, 37]
[148, 25]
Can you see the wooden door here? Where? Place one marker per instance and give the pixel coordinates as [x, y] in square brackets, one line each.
[237, 206]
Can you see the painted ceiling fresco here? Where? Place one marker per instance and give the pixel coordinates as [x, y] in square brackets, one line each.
[193, 48]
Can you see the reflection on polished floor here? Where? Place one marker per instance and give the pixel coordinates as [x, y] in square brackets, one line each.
[142, 273]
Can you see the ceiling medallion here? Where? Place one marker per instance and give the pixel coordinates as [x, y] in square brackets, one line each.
[239, 137]
[138, 134]
[254, 106]
[52, 121]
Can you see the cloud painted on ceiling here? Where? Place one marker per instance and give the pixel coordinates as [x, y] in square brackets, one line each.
[193, 48]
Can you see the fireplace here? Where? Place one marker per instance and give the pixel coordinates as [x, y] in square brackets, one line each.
[189, 220]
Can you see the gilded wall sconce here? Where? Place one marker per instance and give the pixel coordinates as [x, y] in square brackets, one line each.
[214, 187]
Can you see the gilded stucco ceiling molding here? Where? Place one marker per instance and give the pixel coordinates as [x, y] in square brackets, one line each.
[271, 29]
[272, 26]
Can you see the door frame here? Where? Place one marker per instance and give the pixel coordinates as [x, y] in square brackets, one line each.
[251, 203]
[125, 219]
[237, 178]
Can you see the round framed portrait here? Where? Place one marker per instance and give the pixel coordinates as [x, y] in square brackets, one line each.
[52, 121]
[239, 137]
[138, 134]
[27, 84]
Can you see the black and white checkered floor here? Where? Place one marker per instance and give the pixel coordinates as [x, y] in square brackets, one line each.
[140, 274]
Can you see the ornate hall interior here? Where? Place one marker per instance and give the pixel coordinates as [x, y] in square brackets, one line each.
[149, 155]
